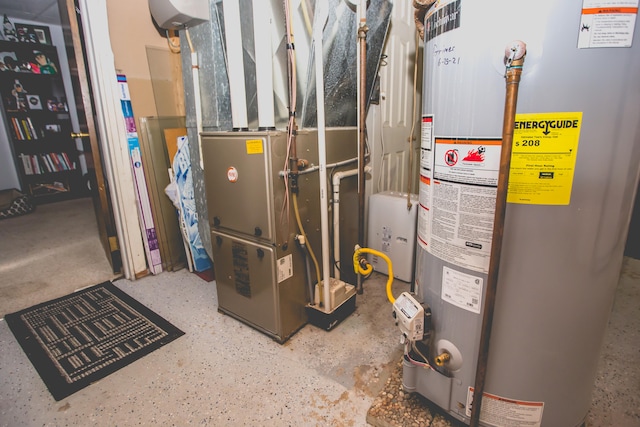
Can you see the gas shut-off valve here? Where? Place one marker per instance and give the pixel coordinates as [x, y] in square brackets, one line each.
[412, 317]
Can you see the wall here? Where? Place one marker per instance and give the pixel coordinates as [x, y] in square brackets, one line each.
[133, 35]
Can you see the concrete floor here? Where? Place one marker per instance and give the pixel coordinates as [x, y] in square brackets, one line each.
[223, 373]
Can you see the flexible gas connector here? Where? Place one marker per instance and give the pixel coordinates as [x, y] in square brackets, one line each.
[357, 267]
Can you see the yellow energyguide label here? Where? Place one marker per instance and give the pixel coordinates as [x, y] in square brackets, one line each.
[254, 146]
[543, 158]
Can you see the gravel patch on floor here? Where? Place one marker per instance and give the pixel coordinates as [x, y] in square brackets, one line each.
[395, 408]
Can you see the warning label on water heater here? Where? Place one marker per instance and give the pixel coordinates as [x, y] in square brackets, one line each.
[457, 201]
[607, 23]
[499, 411]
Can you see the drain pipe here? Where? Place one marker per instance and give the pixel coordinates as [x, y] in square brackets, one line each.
[362, 117]
[337, 177]
[322, 15]
[514, 54]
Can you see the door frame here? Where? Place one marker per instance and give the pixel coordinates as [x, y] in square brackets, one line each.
[111, 131]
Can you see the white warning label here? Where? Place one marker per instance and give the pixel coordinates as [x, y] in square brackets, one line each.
[461, 289]
[285, 268]
[607, 23]
[499, 411]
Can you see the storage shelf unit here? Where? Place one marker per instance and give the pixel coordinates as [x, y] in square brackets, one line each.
[37, 121]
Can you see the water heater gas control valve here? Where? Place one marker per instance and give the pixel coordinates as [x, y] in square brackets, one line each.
[410, 317]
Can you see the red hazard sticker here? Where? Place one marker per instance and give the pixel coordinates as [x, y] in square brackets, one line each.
[451, 157]
[475, 155]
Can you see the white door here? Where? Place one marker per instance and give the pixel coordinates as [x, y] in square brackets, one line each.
[389, 123]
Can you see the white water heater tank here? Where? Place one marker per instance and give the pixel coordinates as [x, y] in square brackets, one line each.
[574, 173]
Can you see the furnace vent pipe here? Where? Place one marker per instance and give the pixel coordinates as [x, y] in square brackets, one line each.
[235, 64]
[262, 22]
[321, 18]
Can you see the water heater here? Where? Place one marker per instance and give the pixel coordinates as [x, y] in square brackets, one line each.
[574, 172]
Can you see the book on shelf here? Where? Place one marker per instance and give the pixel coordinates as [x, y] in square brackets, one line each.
[54, 161]
[71, 164]
[26, 164]
[23, 129]
[35, 164]
[17, 127]
[45, 163]
[32, 128]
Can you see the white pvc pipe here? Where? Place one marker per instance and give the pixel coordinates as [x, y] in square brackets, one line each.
[262, 28]
[321, 17]
[233, 43]
[337, 178]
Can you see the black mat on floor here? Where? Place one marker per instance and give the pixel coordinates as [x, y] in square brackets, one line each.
[80, 338]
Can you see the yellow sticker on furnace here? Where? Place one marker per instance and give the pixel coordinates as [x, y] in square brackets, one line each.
[543, 158]
[254, 146]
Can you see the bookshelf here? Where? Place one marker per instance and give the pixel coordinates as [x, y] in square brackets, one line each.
[37, 121]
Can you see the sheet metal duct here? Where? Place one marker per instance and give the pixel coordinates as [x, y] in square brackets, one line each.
[340, 58]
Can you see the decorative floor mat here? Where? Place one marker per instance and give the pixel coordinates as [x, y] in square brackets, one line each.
[80, 338]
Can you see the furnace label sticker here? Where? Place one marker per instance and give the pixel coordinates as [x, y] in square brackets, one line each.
[607, 23]
[232, 174]
[500, 411]
[461, 289]
[285, 268]
[254, 146]
[543, 158]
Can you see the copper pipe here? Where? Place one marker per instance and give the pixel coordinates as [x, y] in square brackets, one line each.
[293, 157]
[362, 38]
[514, 70]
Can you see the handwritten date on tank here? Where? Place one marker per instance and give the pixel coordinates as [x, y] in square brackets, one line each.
[445, 55]
[454, 60]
